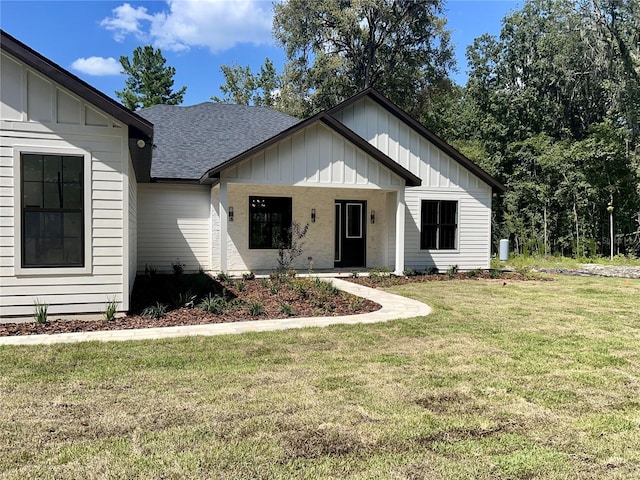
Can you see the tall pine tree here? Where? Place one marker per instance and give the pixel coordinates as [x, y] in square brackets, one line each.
[149, 81]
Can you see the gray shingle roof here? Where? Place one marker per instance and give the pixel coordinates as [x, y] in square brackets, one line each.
[191, 140]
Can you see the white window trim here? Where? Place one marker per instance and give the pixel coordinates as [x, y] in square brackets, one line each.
[19, 270]
[435, 251]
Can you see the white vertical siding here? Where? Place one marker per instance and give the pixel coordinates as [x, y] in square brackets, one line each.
[173, 226]
[315, 156]
[36, 113]
[442, 179]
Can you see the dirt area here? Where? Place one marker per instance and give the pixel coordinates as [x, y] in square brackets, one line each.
[592, 269]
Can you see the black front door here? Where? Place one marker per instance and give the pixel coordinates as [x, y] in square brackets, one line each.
[350, 233]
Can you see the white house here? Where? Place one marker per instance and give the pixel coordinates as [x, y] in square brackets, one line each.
[92, 193]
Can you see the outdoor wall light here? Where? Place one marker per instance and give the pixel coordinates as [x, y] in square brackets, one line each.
[231, 214]
[373, 217]
[313, 215]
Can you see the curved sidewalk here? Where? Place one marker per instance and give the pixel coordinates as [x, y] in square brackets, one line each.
[394, 307]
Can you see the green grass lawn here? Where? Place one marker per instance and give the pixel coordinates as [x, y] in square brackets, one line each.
[537, 379]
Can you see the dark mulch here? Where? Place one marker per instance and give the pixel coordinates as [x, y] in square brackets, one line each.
[305, 300]
[386, 280]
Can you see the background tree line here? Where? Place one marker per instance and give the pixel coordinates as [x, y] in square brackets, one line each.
[551, 106]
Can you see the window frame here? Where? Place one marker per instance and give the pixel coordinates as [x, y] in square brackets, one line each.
[439, 224]
[19, 269]
[251, 246]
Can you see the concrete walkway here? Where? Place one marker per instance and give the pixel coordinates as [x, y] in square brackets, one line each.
[393, 307]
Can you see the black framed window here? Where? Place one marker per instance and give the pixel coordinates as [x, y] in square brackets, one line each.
[52, 210]
[439, 225]
[269, 221]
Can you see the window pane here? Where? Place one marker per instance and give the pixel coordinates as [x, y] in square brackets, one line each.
[447, 237]
[448, 213]
[72, 225]
[32, 168]
[72, 195]
[72, 169]
[430, 212]
[429, 236]
[32, 194]
[72, 251]
[354, 220]
[52, 195]
[52, 168]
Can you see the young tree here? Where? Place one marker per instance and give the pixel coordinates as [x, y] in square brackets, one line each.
[243, 87]
[149, 81]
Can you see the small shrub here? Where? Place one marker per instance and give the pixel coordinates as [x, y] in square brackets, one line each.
[494, 273]
[264, 282]
[273, 288]
[355, 274]
[40, 311]
[241, 286]
[452, 270]
[289, 250]
[177, 267]
[248, 276]
[255, 308]
[286, 309]
[473, 273]
[214, 304]
[300, 288]
[110, 310]
[155, 311]
[356, 304]
[222, 277]
[325, 287]
[150, 271]
[291, 273]
[409, 272]
[185, 299]
[431, 271]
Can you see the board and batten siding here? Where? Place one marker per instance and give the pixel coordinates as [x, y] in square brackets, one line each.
[316, 156]
[442, 179]
[173, 226]
[36, 113]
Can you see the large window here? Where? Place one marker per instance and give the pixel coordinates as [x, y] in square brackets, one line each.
[269, 221]
[439, 225]
[52, 210]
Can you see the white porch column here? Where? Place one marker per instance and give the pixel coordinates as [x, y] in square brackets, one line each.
[400, 208]
[223, 207]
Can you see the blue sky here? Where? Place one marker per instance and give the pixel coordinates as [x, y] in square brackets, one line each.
[196, 36]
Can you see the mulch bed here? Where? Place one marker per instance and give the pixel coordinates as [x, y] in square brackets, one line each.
[303, 304]
[390, 280]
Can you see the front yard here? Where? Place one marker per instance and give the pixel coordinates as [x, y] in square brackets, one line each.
[506, 379]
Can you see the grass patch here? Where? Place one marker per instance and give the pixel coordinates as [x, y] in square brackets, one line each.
[535, 379]
[551, 261]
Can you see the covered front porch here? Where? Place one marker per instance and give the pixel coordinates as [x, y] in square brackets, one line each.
[349, 229]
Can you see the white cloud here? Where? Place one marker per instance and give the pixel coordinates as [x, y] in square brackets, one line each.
[126, 20]
[97, 66]
[216, 24]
